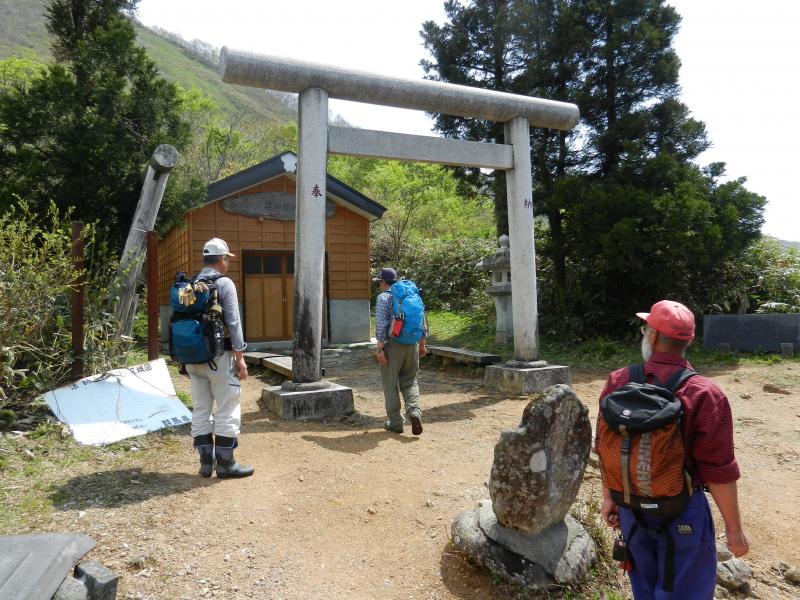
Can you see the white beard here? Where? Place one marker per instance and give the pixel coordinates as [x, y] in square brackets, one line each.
[647, 348]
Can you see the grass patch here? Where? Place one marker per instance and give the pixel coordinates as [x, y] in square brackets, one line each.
[36, 467]
[186, 398]
[463, 330]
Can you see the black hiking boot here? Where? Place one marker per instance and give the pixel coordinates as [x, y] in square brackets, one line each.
[387, 425]
[227, 467]
[205, 447]
[416, 422]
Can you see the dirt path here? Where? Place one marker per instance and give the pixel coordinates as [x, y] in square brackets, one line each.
[338, 510]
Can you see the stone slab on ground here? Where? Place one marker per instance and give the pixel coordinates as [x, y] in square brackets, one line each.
[71, 589]
[525, 381]
[514, 568]
[333, 401]
[32, 567]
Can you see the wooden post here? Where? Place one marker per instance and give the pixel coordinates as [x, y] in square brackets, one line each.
[161, 164]
[152, 295]
[78, 287]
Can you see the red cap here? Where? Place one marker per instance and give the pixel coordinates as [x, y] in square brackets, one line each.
[670, 318]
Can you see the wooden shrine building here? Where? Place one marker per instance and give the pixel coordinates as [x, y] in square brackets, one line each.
[254, 212]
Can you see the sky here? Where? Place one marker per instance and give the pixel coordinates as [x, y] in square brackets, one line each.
[740, 69]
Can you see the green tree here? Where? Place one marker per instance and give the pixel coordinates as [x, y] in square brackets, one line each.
[480, 46]
[629, 216]
[18, 72]
[80, 133]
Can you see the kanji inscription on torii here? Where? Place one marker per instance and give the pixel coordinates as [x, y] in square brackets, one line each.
[316, 192]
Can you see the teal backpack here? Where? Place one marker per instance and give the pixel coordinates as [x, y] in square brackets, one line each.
[408, 313]
[196, 331]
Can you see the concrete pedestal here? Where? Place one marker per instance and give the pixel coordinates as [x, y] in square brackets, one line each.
[300, 405]
[525, 380]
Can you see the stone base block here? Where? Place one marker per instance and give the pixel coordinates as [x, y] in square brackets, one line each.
[560, 555]
[332, 401]
[100, 582]
[525, 381]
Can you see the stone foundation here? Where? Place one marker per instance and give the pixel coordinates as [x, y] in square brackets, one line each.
[299, 405]
[525, 380]
[558, 556]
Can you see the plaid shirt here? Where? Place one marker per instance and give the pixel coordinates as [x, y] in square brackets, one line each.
[383, 317]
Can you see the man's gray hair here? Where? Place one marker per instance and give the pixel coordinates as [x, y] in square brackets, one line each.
[212, 259]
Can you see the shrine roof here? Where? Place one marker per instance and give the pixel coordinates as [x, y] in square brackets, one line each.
[286, 164]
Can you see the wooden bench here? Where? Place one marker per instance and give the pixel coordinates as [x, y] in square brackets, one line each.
[256, 358]
[449, 354]
[279, 364]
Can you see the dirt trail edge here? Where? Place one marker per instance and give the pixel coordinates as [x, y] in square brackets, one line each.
[347, 510]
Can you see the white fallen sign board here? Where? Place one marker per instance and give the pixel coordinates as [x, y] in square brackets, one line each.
[119, 404]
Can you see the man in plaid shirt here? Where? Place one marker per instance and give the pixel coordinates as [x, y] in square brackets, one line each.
[399, 362]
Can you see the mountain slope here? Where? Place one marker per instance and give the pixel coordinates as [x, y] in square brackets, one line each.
[23, 33]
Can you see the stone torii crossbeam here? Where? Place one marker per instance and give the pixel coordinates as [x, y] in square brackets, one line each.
[315, 84]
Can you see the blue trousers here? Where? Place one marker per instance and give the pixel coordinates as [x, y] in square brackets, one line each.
[695, 565]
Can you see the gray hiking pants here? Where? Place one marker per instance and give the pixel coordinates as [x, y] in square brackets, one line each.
[220, 387]
[400, 376]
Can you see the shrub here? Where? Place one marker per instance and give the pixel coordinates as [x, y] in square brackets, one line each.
[765, 279]
[444, 270]
[36, 279]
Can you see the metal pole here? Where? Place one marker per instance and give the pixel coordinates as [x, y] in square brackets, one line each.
[78, 287]
[523, 256]
[152, 295]
[312, 155]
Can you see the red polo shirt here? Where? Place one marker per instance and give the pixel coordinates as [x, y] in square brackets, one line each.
[707, 422]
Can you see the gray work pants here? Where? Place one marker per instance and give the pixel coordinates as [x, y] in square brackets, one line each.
[220, 386]
[400, 376]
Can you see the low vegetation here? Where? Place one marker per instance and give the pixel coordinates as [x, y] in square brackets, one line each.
[36, 281]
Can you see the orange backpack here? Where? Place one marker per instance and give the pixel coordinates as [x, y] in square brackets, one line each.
[641, 445]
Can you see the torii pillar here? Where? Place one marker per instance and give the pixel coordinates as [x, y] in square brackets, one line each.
[315, 83]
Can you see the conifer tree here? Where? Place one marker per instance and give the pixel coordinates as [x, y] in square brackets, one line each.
[80, 133]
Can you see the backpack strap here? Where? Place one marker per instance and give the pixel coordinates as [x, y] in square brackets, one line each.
[636, 373]
[208, 278]
[678, 379]
[663, 528]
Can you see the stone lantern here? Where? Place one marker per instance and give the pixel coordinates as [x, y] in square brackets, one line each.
[499, 265]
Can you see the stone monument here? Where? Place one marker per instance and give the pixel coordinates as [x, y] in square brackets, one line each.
[499, 266]
[524, 534]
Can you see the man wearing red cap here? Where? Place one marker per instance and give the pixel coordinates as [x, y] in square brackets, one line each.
[707, 429]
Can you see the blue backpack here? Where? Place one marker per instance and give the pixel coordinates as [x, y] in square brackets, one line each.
[196, 331]
[408, 313]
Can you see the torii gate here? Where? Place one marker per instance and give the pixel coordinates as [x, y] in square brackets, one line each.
[315, 83]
